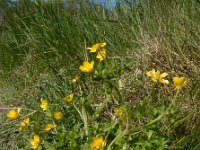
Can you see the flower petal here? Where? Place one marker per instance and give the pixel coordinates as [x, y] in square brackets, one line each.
[163, 75]
[164, 81]
[148, 73]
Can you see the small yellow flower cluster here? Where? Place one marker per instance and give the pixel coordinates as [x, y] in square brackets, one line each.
[87, 66]
[156, 76]
[97, 143]
[13, 114]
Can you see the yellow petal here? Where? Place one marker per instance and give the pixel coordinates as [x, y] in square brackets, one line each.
[76, 78]
[179, 82]
[35, 142]
[58, 115]
[13, 114]
[163, 75]
[101, 54]
[44, 104]
[148, 73]
[49, 127]
[24, 124]
[96, 47]
[97, 143]
[153, 71]
[69, 98]
[87, 66]
[164, 81]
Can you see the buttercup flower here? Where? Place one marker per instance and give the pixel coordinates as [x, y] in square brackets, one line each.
[97, 143]
[13, 114]
[156, 76]
[35, 142]
[49, 127]
[69, 98]
[58, 115]
[44, 104]
[24, 124]
[99, 49]
[96, 47]
[179, 82]
[101, 54]
[76, 78]
[87, 66]
[120, 114]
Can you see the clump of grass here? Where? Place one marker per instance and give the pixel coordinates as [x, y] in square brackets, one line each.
[44, 44]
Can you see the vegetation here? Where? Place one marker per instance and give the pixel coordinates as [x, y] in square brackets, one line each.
[87, 76]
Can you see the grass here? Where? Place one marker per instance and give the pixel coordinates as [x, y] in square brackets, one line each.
[43, 44]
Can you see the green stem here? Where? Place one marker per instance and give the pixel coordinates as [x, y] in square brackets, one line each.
[120, 133]
[83, 117]
[163, 114]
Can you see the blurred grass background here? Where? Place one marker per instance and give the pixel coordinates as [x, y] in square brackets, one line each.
[43, 43]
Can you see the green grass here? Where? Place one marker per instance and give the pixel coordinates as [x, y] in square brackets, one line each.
[43, 44]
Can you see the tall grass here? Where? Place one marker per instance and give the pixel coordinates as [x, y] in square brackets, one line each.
[43, 43]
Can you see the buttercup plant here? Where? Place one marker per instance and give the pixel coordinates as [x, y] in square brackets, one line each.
[88, 117]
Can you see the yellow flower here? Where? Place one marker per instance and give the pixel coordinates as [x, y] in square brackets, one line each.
[101, 54]
[58, 115]
[120, 114]
[49, 127]
[44, 104]
[99, 49]
[97, 143]
[13, 114]
[24, 124]
[179, 82]
[96, 47]
[35, 142]
[87, 66]
[156, 76]
[69, 98]
[76, 78]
